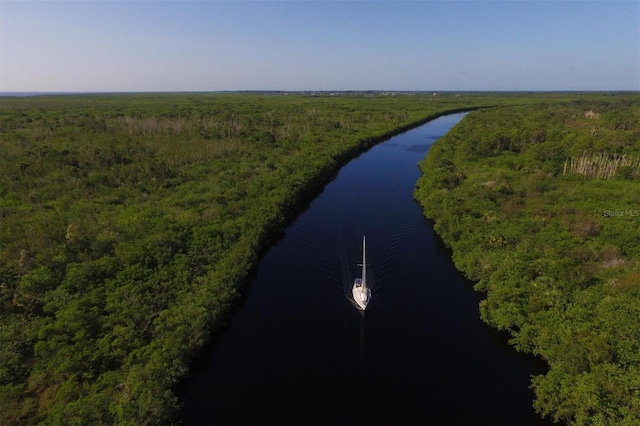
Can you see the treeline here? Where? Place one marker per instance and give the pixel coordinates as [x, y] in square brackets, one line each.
[130, 223]
[557, 253]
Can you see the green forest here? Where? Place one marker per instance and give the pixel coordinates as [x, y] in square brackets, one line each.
[540, 206]
[129, 225]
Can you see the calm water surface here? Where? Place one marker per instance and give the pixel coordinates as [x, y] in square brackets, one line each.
[298, 352]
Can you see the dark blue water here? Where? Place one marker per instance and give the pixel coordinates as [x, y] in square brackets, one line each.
[298, 352]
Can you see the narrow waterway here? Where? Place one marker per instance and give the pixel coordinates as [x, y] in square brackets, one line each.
[298, 352]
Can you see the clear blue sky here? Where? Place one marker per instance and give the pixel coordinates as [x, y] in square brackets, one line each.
[324, 45]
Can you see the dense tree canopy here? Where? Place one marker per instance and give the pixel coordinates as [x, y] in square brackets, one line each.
[555, 248]
[129, 224]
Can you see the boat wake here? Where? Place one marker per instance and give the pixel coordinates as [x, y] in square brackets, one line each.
[350, 286]
[336, 253]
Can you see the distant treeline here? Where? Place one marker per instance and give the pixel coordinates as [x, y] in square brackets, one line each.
[130, 223]
[540, 205]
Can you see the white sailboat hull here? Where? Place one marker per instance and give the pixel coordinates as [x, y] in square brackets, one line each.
[362, 293]
[361, 296]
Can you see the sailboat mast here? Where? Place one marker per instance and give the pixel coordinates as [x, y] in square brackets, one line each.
[364, 264]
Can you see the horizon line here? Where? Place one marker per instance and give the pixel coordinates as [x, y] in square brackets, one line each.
[25, 93]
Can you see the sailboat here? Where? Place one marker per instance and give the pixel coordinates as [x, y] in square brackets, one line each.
[362, 293]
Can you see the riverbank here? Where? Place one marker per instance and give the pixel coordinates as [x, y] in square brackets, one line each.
[559, 271]
[296, 350]
[132, 222]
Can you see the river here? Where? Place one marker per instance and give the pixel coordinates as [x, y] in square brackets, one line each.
[298, 352]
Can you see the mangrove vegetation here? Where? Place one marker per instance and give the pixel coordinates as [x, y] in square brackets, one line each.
[540, 205]
[130, 224]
